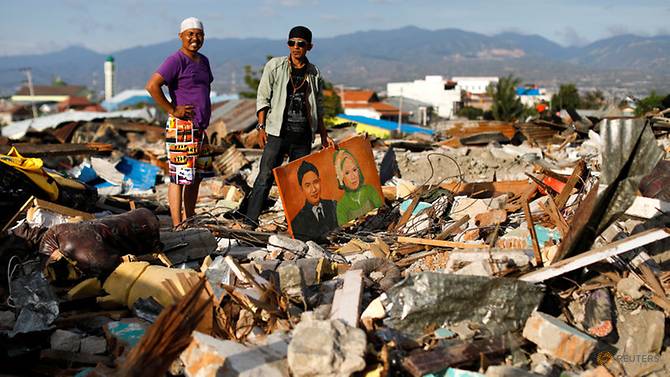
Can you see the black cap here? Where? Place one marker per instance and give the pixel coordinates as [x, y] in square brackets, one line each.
[301, 32]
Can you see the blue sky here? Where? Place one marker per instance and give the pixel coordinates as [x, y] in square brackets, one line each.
[39, 26]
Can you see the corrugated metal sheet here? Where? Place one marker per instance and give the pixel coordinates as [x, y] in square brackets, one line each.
[16, 130]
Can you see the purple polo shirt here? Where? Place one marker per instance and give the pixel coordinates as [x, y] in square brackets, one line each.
[189, 84]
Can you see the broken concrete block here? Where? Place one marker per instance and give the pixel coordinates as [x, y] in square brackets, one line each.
[7, 320]
[478, 268]
[63, 340]
[375, 310]
[218, 274]
[640, 332]
[558, 339]
[278, 245]
[189, 244]
[291, 281]
[210, 357]
[347, 300]
[326, 348]
[630, 287]
[93, 345]
[459, 259]
[314, 250]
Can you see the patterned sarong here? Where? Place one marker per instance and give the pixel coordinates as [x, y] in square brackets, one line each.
[188, 152]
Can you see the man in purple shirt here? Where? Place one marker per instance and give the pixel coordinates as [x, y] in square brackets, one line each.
[188, 76]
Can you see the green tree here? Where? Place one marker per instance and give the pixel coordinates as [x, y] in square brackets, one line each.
[58, 81]
[252, 78]
[566, 98]
[506, 105]
[649, 103]
[331, 102]
[470, 112]
[593, 100]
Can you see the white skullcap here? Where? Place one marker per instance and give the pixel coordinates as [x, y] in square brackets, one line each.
[191, 23]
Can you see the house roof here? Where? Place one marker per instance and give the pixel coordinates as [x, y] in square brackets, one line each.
[380, 107]
[48, 90]
[358, 96]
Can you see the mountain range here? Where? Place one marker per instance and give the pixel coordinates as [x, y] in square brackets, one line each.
[621, 64]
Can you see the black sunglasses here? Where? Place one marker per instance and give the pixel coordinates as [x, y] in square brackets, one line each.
[301, 44]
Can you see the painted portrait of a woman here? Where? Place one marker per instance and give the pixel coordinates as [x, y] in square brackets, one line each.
[359, 198]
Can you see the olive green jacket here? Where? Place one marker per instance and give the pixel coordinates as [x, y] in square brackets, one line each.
[272, 92]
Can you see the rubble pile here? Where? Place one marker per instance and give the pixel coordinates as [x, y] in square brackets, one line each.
[531, 249]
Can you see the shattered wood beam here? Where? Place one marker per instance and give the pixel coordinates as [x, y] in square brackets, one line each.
[576, 176]
[531, 229]
[52, 150]
[596, 255]
[413, 258]
[441, 243]
[408, 213]
[556, 217]
[422, 363]
[451, 229]
[347, 300]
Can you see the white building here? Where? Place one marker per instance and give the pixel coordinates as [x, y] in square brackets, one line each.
[531, 96]
[474, 85]
[434, 90]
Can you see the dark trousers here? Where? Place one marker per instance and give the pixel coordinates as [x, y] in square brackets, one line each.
[296, 146]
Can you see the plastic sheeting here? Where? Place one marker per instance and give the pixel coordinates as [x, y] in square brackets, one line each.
[98, 245]
[428, 299]
[37, 303]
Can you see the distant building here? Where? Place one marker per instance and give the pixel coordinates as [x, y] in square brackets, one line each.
[12, 112]
[110, 78]
[366, 103]
[531, 95]
[49, 94]
[128, 99]
[418, 112]
[474, 85]
[442, 94]
[78, 104]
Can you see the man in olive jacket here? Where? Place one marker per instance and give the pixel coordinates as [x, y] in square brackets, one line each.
[290, 112]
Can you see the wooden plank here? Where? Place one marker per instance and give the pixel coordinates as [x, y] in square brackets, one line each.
[408, 213]
[57, 208]
[596, 255]
[531, 229]
[486, 189]
[46, 150]
[415, 257]
[552, 210]
[422, 363]
[347, 300]
[18, 213]
[563, 197]
[441, 243]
